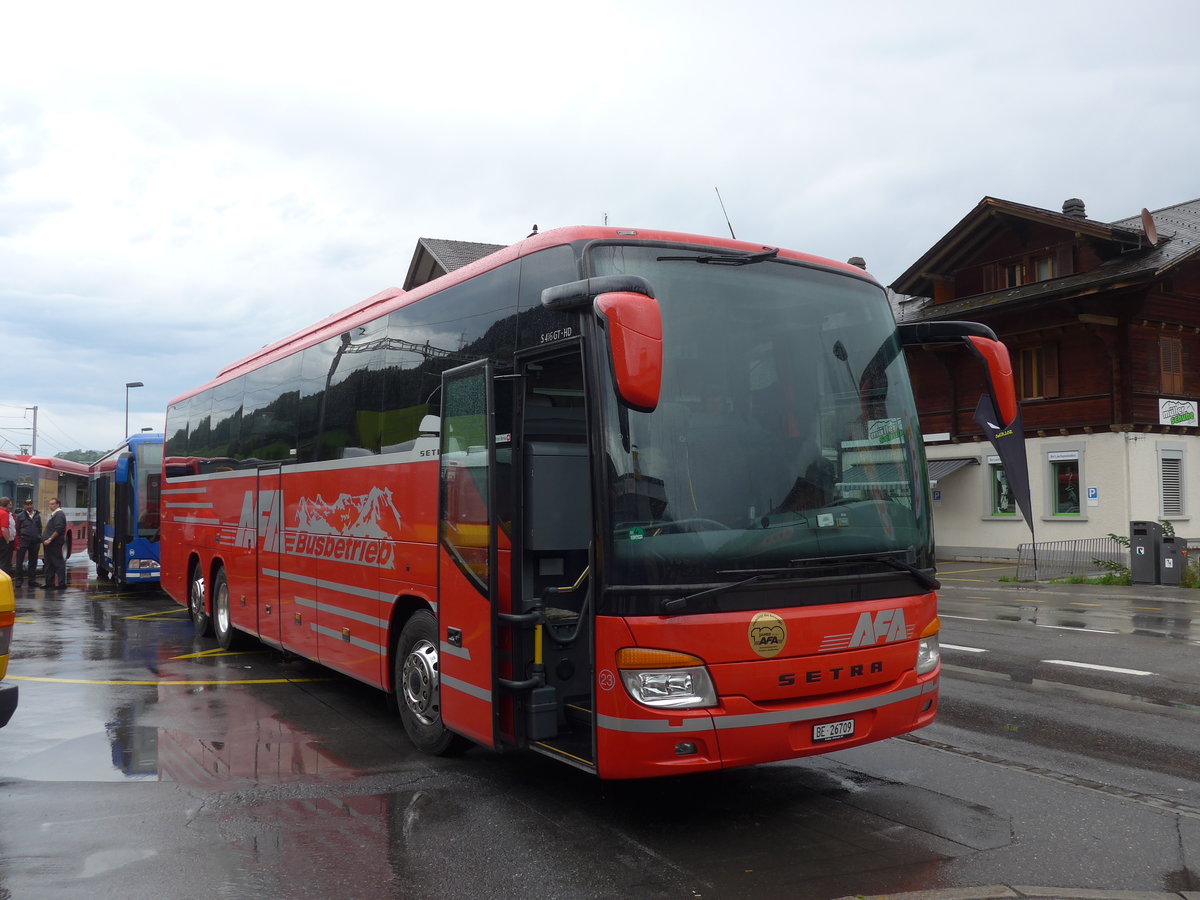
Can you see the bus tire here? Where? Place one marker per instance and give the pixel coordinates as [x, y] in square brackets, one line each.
[197, 607]
[416, 681]
[222, 622]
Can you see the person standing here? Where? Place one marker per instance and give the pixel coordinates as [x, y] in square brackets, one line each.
[29, 539]
[8, 535]
[52, 540]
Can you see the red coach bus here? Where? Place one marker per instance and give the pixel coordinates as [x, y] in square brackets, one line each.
[647, 503]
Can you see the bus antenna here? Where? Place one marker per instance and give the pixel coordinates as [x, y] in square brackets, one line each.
[727, 222]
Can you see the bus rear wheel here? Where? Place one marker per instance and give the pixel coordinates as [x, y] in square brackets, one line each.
[201, 621]
[417, 683]
[221, 619]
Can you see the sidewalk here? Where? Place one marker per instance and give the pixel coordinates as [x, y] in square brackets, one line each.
[965, 575]
[953, 573]
[1026, 892]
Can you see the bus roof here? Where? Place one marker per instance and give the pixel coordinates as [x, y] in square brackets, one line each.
[394, 298]
[65, 466]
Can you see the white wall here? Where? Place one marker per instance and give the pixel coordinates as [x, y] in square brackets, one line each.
[1122, 467]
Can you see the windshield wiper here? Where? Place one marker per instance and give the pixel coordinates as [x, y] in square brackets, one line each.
[925, 580]
[725, 259]
[797, 569]
[677, 604]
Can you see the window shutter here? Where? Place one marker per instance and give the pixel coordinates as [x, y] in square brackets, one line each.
[1050, 370]
[1171, 484]
[1066, 264]
[1170, 352]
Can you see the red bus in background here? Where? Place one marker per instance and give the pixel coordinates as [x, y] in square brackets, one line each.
[38, 478]
[647, 503]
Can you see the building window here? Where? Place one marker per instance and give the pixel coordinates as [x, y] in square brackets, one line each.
[1170, 355]
[1001, 494]
[1064, 484]
[1045, 268]
[1038, 372]
[1013, 274]
[1170, 483]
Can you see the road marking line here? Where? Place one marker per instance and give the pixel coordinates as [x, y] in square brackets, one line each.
[1148, 608]
[1081, 665]
[168, 683]
[1080, 630]
[963, 649]
[209, 654]
[984, 569]
[151, 615]
[1081, 603]
[963, 618]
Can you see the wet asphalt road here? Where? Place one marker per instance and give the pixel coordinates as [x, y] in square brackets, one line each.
[144, 762]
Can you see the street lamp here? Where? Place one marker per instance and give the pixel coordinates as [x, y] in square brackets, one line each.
[128, 385]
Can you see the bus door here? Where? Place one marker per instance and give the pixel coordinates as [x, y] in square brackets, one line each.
[269, 563]
[124, 516]
[101, 517]
[468, 553]
[552, 633]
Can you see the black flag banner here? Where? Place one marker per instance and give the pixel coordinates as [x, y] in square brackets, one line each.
[1009, 441]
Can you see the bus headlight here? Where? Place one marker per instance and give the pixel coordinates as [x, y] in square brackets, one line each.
[929, 648]
[666, 679]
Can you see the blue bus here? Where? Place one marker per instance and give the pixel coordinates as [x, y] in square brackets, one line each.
[123, 510]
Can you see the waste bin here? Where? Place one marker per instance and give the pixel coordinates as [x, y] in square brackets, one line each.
[1145, 539]
[1171, 560]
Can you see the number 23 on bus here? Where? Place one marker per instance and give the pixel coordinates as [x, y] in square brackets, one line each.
[643, 502]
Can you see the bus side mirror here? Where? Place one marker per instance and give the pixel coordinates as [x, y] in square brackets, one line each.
[635, 343]
[1001, 383]
[121, 473]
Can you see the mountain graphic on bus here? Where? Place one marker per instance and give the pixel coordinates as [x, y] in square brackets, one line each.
[370, 515]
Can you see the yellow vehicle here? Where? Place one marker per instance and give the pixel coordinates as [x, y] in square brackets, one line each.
[8, 615]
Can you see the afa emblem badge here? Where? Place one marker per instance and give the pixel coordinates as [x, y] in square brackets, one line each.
[768, 634]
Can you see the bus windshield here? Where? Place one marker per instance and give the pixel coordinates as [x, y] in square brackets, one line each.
[786, 431]
[149, 481]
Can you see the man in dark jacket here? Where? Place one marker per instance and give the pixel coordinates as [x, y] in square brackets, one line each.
[52, 540]
[29, 538]
[8, 535]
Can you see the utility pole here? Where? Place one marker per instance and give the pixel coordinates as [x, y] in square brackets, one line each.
[33, 452]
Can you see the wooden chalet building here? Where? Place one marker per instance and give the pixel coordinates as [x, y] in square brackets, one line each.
[1103, 324]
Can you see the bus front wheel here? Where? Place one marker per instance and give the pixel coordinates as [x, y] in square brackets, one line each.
[417, 683]
[201, 621]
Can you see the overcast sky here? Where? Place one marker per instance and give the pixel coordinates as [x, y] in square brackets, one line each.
[183, 183]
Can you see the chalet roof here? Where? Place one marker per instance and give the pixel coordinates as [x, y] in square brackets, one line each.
[1178, 230]
[434, 257]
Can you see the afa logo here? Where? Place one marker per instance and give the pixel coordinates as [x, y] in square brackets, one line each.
[768, 634]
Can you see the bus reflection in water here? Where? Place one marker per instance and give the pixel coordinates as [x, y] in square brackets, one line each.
[643, 502]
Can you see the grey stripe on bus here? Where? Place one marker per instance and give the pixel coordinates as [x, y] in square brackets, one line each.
[330, 585]
[465, 687]
[754, 720]
[342, 613]
[457, 652]
[357, 642]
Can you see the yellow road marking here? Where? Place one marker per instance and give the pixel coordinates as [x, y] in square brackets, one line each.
[167, 683]
[1081, 603]
[986, 569]
[208, 654]
[151, 615]
[1148, 608]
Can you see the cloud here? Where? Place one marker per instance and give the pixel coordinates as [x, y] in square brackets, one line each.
[182, 185]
